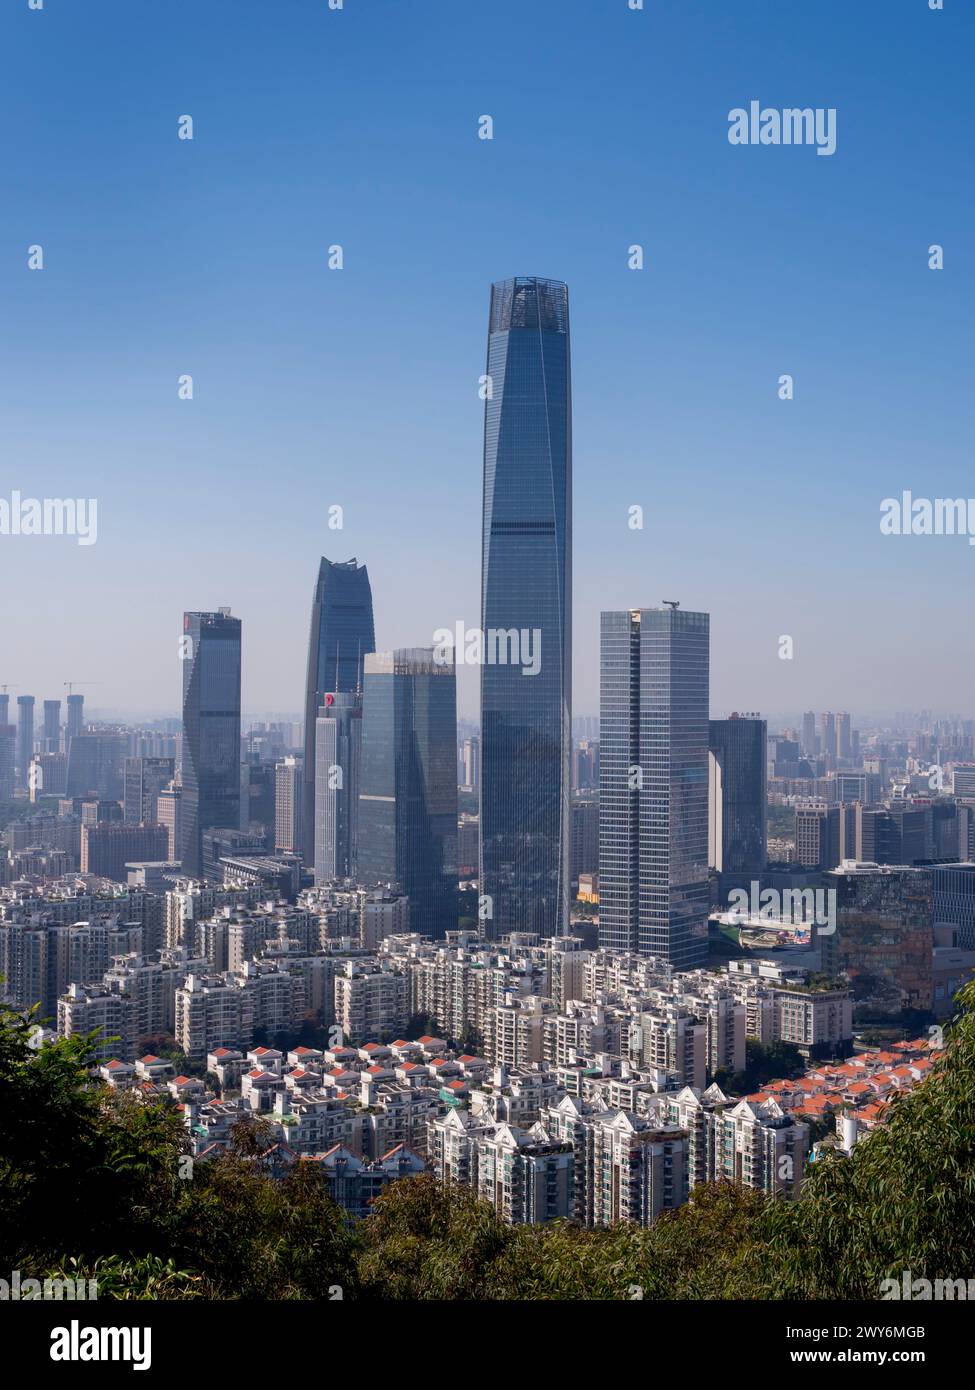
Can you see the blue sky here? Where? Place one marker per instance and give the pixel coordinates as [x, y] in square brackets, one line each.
[359, 387]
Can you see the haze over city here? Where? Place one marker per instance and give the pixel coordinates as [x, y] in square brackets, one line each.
[359, 387]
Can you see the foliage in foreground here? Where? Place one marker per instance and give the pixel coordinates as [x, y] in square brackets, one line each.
[92, 1189]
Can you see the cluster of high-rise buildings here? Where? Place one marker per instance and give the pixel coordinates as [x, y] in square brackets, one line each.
[26, 754]
[372, 794]
[536, 892]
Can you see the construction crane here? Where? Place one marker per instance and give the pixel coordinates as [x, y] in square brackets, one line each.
[70, 685]
[672, 603]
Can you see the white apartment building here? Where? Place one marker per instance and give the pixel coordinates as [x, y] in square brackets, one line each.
[372, 1000]
[84, 1008]
[213, 1011]
[526, 1177]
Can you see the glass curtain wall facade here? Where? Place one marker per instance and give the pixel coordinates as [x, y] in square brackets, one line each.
[526, 588]
[408, 783]
[144, 779]
[95, 766]
[342, 632]
[25, 737]
[653, 784]
[338, 741]
[211, 731]
[738, 810]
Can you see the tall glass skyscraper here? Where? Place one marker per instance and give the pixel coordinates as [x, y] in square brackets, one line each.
[408, 783]
[338, 741]
[653, 784]
[526, 589]
[25, 737]
[144, 779]
[737, 800]
[211, 731]
[342, 632]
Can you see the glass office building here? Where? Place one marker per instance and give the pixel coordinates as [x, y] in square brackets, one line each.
[342, 632]
[144, 779]
[407, 830]
[95, 766]
[526, 592]
[25, 737]
[653, 784]
[211, 731]
[738, 803]
[338, 741]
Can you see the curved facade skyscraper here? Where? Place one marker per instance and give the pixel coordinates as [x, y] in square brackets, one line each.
[526, 610]
[342, 632]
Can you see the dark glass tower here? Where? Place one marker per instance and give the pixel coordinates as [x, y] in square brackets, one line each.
[653, 784]
[25, 737]
[342, 632]
[144, 779]
[526, 586]
[338, 742]
[211, 731]
[737, 804]
[408, 783]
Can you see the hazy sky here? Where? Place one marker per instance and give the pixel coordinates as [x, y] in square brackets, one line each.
[358, 388]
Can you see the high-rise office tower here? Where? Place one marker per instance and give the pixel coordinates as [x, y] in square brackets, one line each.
[52, 726]
[526, 593]
[342, 632]
[144, 779]
[899, 835]
[818, 833]
[8, 760]
[211, 730]
[585, 766]
[585, 836]
[287, 805]
[95, 765]
[338, 742]
[169, 814]
[76, 718]
[408, 783]
[108, 848]
[257, 792]
[844, 736]
[8, 750]
[653, 783]
[471, 762]
[25, 736]
[737, 800]
[809, 734]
